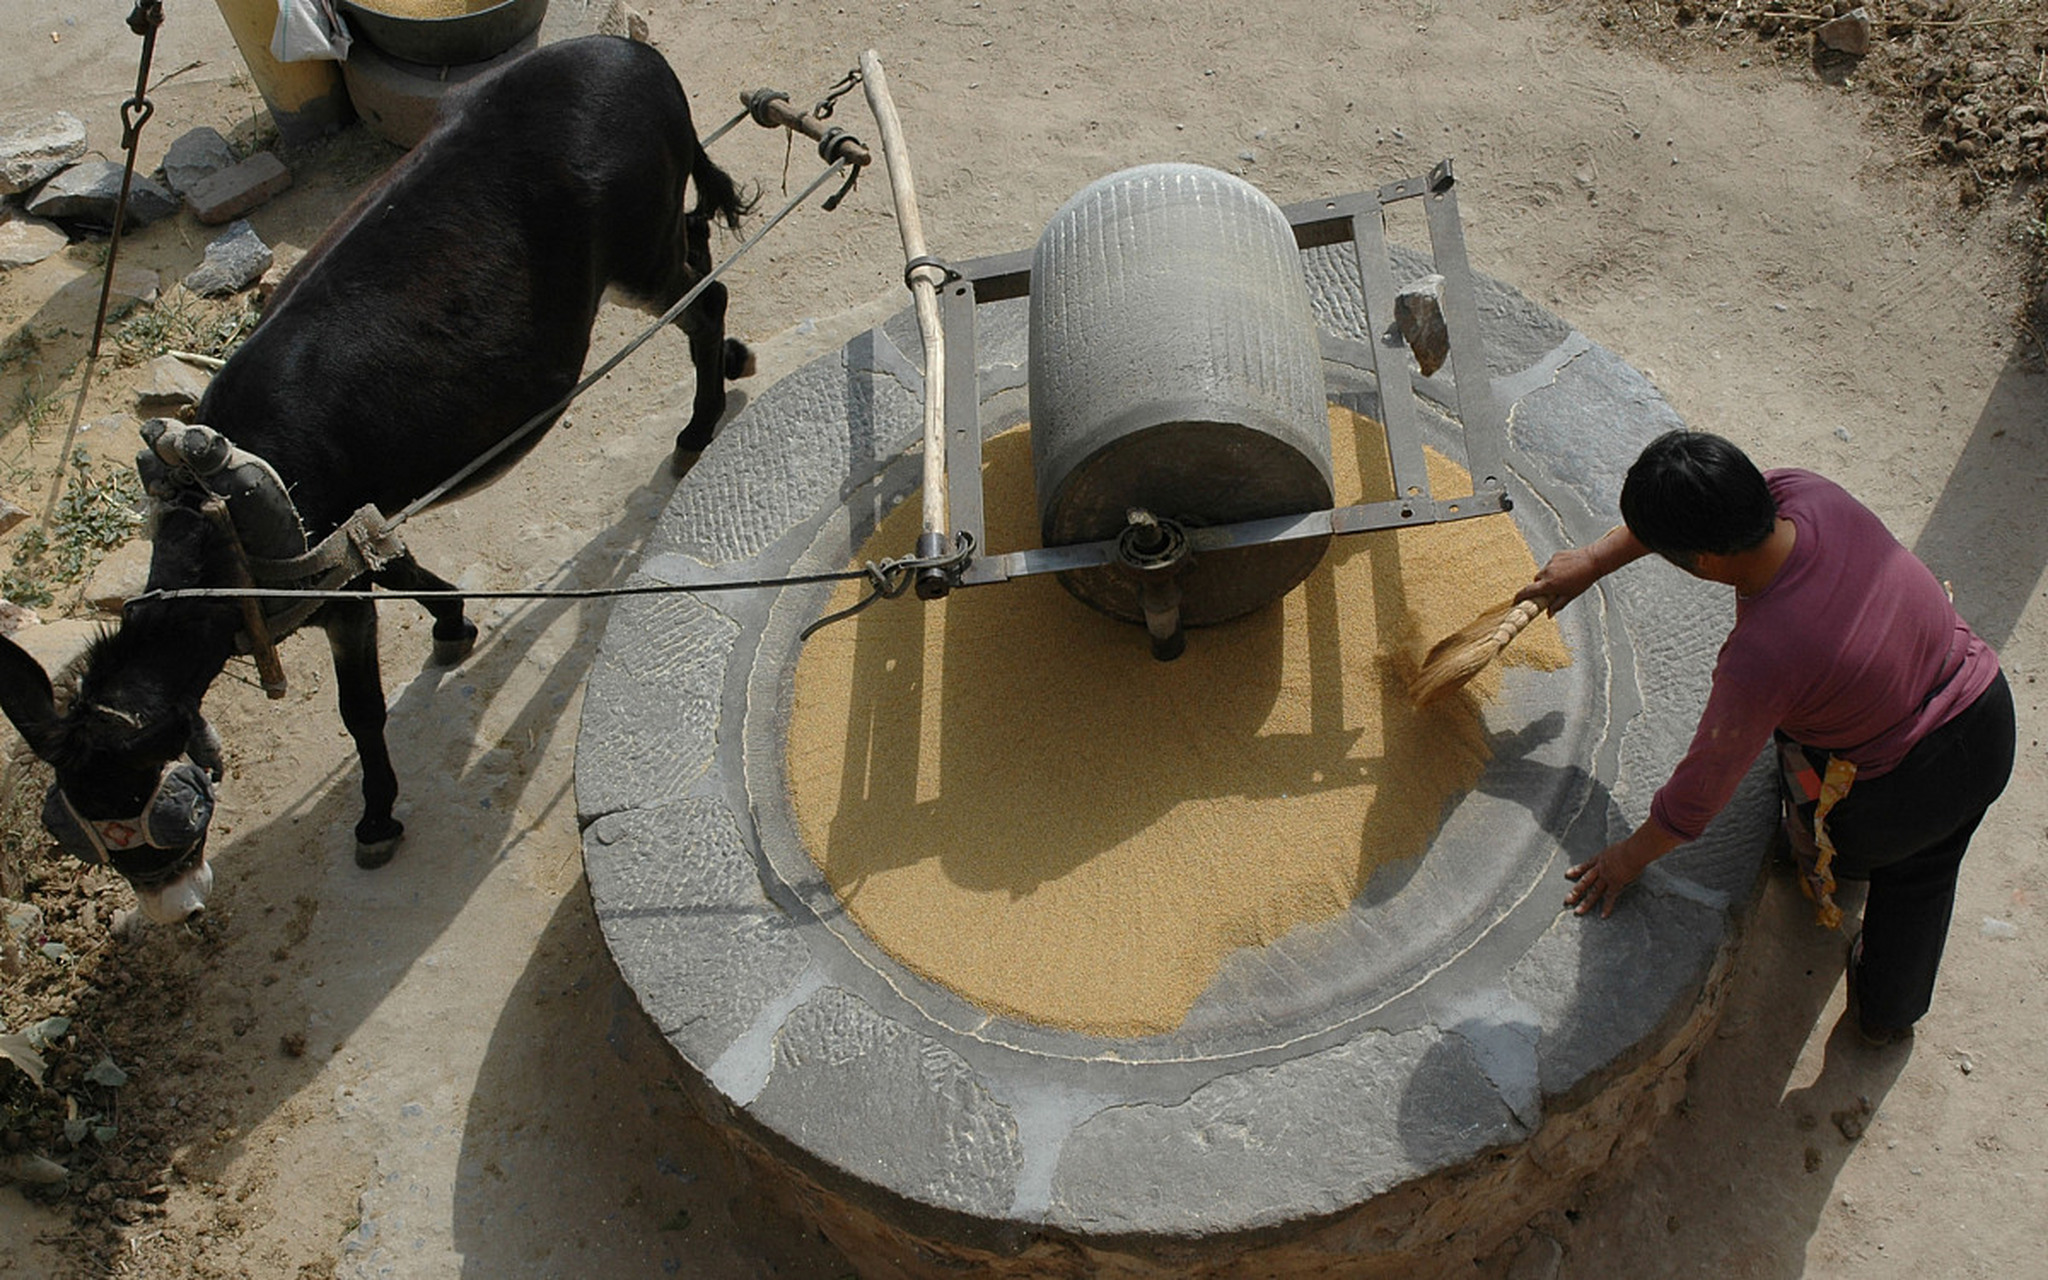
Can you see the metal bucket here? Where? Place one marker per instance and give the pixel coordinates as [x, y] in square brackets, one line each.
[1176, 370]
[456, 40]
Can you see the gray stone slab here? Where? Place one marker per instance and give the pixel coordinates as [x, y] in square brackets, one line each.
[697, 941]
[1444, 1018]
[1309, 1137]
[240, 188]
[1600, 987]
[651, 708]
[172, 384]
[790, 453]
[862, 1090]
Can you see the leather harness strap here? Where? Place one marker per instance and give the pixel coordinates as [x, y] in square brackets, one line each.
[365, 543]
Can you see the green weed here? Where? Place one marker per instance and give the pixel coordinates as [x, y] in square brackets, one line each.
[101, 509]
[181, 321]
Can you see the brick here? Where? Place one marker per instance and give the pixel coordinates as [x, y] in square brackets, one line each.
[227, 195]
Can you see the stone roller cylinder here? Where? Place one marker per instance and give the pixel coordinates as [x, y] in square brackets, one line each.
[1176, 376]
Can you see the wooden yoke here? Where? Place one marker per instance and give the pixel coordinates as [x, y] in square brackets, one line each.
[771, 109]
[268, 665]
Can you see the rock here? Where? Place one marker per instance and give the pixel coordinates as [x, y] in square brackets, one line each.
[28, 1167]
[171, 383]
[26, 240]
[24, 919]
[89, 191]
[233, 262]
[11, 516]
[119, 577]
[13, 617]
[1419, 310]
[619, 20]
[31, 151]
[224, 196]
[283, 258]
[198, 154]
[1849, 33]
[1541, 1259]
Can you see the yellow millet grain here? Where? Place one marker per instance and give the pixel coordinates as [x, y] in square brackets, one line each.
[429, 8]
[1013, 799]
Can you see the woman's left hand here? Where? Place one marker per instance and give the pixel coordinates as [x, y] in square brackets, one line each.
[1600, 881]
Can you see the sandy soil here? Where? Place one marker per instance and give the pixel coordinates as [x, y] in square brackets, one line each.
[433, 1070]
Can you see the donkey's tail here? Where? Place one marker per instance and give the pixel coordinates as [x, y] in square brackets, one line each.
[718, 194]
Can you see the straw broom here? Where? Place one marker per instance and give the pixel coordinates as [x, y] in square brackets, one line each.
[1464, 654]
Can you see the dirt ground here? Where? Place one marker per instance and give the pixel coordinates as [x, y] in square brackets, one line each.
[433, 1070]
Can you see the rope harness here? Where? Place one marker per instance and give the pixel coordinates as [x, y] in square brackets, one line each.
[888, 579]
[281, 593]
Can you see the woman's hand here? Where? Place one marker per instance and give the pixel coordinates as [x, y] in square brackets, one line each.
[1600, 881]
[1565, 577]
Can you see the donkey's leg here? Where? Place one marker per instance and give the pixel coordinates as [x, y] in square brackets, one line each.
[352, 636]
[714, 356]
[454, 634]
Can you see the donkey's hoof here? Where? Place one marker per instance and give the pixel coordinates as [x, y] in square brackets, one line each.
[682, 460]
[739, 359]
[448, 652]
[374, 850]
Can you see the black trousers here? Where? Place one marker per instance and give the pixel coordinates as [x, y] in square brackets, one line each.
[1906, 833]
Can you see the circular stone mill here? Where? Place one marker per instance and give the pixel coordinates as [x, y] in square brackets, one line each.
[1399, 1085]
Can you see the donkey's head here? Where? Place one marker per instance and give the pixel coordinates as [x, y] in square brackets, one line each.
[136, 762]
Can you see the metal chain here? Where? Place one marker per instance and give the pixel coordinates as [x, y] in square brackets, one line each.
[828, 103]
[147, 16]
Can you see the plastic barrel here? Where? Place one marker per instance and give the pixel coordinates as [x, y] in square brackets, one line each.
[1175, 366]
[307, 100]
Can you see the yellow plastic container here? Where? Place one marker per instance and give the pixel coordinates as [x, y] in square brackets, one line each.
[306, 99]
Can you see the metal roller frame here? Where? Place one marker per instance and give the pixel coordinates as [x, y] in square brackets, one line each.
[1358, 218]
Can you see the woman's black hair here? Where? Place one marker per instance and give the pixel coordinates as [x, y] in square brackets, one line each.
[1690, 492]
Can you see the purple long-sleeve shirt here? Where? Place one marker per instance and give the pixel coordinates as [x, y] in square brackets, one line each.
[1853, 647]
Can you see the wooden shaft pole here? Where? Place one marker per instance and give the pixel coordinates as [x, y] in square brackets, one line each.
[924, 280]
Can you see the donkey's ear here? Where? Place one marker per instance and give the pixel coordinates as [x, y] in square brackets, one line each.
[25, 695]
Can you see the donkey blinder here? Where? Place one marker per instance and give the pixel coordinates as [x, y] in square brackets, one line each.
[173, 820]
